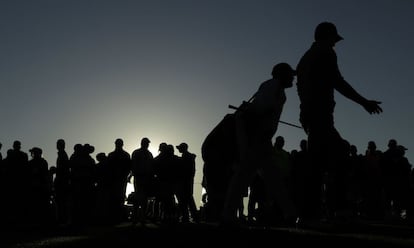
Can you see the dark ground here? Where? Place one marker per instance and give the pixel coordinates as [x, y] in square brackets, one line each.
[361, 234]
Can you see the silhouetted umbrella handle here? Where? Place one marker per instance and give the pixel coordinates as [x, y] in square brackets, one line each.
[283, 122]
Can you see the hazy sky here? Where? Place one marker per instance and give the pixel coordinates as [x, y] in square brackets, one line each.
[93, 71]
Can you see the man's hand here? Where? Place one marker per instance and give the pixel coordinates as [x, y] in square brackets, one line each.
[372, 106]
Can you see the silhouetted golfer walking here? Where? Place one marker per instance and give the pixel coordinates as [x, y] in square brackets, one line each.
[318, 76]
[256, 124]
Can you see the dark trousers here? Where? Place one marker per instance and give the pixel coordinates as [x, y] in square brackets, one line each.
[328, 152]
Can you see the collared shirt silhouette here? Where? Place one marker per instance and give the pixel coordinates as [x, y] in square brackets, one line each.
[257, 123]
[319, 76]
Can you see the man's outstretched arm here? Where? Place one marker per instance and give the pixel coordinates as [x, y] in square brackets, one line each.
[371, 106]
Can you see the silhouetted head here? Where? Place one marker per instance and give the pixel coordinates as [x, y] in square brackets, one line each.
[60, 144]
[162, 147]
[353, 150]
[119, 143]
[170, 150]
[326, 31]
[78, 148]
[101, 157]
[372, 146]
[17, 145]
[285, 73]
[392, 144]
[401, 150]
[183, 147]
[145, 142]
[281, 69]
[89, 149]
[36, 152]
